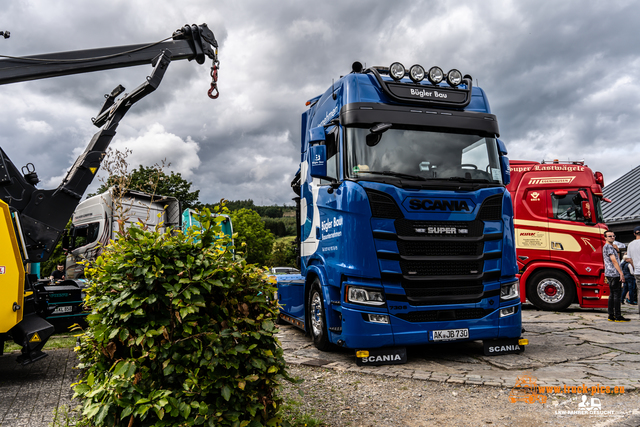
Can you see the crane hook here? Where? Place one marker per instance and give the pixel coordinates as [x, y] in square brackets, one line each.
[213, 91]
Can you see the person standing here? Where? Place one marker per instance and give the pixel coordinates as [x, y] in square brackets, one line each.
[629, 282]
[614, 276]
[633, 250]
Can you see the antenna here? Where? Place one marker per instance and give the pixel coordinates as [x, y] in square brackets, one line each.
[333, 90]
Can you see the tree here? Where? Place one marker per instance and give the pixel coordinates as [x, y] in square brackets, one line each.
[251, 231]
[283, 255]
[154, 180]
[58, 256]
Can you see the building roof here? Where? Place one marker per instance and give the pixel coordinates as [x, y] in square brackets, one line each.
[623, 192]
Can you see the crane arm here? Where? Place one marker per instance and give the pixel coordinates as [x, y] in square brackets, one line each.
[43, 214]
[192, 42]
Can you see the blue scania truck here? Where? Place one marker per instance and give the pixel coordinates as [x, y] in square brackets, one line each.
[405, 228]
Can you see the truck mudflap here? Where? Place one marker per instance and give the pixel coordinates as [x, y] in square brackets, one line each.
[504, 346]
[381, 356]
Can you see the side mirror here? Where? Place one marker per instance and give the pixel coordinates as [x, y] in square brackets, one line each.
[66, 243]
[502, 149]
[376, 133]
[586, 210]
[506, 171]
[317, 134]
[318, 160]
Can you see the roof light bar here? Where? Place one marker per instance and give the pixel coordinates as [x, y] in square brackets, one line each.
[397, 71]
[454, 77]
[416, 73]
[436, 75]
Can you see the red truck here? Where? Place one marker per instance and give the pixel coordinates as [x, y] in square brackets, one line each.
[559, 233]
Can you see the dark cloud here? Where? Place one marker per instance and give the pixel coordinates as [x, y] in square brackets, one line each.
[559, 76]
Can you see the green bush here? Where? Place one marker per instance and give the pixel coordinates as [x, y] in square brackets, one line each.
[180, 334]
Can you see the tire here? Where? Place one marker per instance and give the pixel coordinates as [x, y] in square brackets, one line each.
[550, 290]
[317, 319]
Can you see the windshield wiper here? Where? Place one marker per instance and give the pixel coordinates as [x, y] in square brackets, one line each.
[462, 179]
[396, 174]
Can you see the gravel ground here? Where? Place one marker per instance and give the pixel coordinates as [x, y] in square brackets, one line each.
[341, 398]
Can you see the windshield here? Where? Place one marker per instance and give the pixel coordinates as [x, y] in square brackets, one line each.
[84, 234]
[421, 155]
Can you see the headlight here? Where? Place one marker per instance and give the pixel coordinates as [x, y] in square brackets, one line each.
[364, 296]
[416, 73]
[435, 75]
[396, 71]
[454, 77]
[508, 311]
[509, 291]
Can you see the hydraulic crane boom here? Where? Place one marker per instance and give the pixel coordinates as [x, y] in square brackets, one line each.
[44, 213]
[32, 220]
[190, 42]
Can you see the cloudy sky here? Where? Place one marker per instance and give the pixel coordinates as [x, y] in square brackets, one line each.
[560, 76]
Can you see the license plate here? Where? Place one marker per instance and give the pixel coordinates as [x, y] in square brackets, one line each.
[63, 309]
[450, 334]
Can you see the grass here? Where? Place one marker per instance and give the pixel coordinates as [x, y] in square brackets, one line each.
[294, 417]
[63, 340]
[286, 239]
[62, 417]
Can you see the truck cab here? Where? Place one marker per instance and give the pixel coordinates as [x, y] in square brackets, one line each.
[559, 233]
[405, 227]
[97, 220]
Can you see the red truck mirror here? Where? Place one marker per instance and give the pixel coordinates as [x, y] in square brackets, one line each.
[586, 210]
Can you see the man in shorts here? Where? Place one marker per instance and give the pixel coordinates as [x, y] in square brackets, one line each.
[614, 275]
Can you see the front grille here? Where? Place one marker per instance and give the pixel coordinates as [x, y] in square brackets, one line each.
[444, 292]
[383, 205]
[405, 227]
[444, 315]
[441, 248]
[491, 209]
[441, 268]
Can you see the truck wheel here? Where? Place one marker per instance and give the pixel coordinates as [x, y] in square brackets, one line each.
[317, 318]
[550, 290]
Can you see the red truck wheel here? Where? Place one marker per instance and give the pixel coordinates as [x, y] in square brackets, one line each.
[550, 290]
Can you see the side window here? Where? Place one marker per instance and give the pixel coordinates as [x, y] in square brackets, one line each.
[568, 206]
[332, 156]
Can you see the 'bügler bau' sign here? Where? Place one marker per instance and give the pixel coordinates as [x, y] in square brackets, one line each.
[428, 93]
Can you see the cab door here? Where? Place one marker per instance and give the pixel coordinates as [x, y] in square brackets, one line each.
[573, 236]
[531, 226]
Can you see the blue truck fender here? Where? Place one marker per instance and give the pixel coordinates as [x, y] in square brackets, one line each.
[318, 271]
